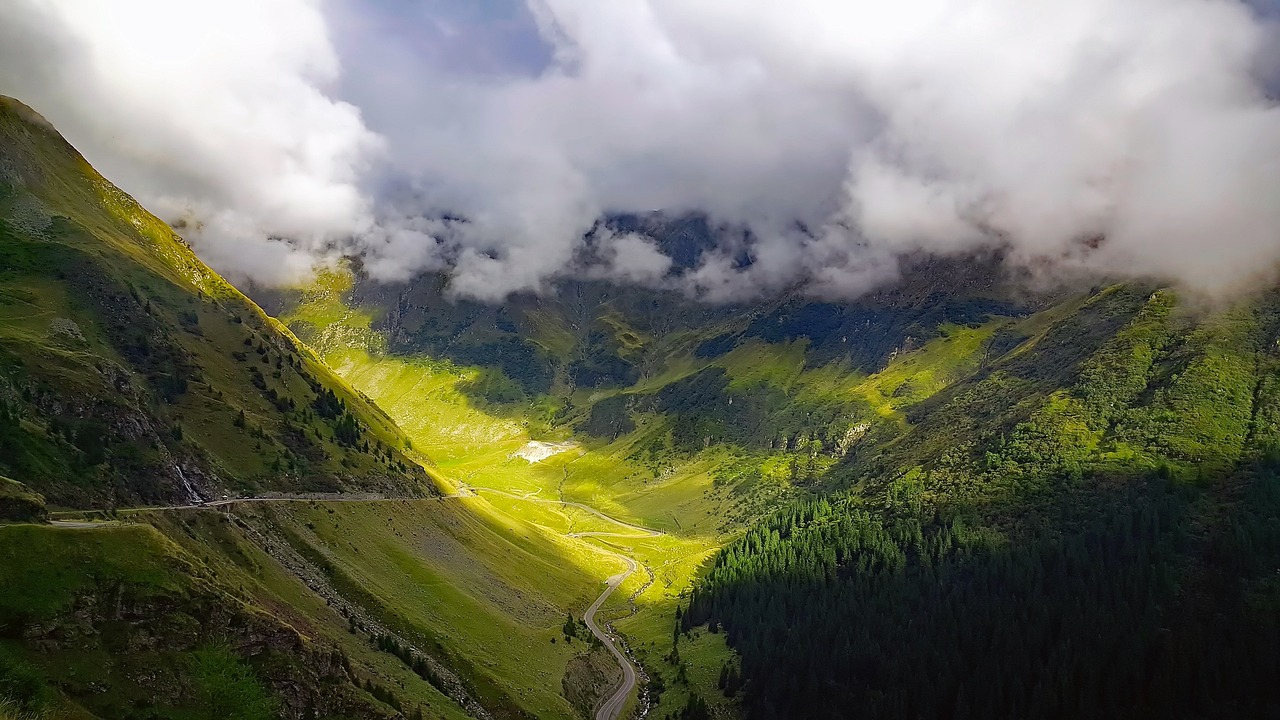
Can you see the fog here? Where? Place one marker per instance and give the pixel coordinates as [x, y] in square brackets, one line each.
[488, 140]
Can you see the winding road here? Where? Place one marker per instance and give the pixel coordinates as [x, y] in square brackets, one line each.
[81, 524]
[300, 497]
[532, 497]
[612, 708]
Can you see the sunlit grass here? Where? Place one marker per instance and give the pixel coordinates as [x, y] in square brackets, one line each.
[490, 588]
[685, 496]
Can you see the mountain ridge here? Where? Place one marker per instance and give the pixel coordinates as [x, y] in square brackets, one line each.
[175, 372]
[1005, 468]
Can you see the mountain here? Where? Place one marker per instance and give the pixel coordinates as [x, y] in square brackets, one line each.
[960, 495]
[131, 373]
[694, 421]
[134, 382]
[1007, 469]
[1084, 527]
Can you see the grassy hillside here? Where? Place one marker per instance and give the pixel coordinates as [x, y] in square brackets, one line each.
[134, 375]
[828, 506]
[984, 424]
[131, 373]
[119, 622]
[689, 420]
[1097, 507]
[17, 502]
[442, 608]
[487, 593]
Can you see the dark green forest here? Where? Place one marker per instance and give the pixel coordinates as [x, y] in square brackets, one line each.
[1087, 529]
[1135, 604]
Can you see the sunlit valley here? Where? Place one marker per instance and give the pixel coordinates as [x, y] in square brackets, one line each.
[488, 441]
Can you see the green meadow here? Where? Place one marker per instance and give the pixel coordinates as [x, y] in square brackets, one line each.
[696, 499]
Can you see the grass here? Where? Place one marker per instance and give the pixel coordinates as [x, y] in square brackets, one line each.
[241, 563]
[187, 620]
[107, 313]
[488, 581]
[700, 499]
[489, 590]
[488, 586]
[228, 687]
[10, 711]
[43, 585]
[17, 502]
[105, 574]
[473, 446]
[485, 581]
[909, 378]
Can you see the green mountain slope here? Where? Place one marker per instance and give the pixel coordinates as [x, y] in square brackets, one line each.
[939, 439]
[692, 420]
[948, 498]
[1085, 527]
[120, 622]
[131, 373]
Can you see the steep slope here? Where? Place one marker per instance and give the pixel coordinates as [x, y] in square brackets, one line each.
[17, 502]
[836, 505]
[119, 621]
[689, 419]
[950, 454]
[1085, 527]
[131, 373]
[481, 593]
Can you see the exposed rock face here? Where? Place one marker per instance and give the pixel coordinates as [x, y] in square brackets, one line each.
[590, 678]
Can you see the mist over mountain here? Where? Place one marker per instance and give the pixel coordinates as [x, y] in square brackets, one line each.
[685, 474]
[639, 359]
[821, 141]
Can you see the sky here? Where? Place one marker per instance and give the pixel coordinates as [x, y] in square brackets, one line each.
[486, 139]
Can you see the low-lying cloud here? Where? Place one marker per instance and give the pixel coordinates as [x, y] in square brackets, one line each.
[211, 112]
[489, 140]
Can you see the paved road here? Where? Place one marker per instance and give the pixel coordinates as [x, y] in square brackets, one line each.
[531, 497]
[612, 707]
[303, 497]
[81, 525]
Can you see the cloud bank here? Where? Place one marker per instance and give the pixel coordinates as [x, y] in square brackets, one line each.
[211, 112]
[489, 139]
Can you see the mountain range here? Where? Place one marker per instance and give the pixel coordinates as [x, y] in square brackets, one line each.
[963, 494]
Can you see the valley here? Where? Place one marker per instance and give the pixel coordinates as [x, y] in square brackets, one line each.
[262, 523]
[444, 607]
[635, 493]
[351, 498]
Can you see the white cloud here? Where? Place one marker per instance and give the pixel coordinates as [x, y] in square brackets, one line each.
[1131, 136]
[631, 258]
[214, 111]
